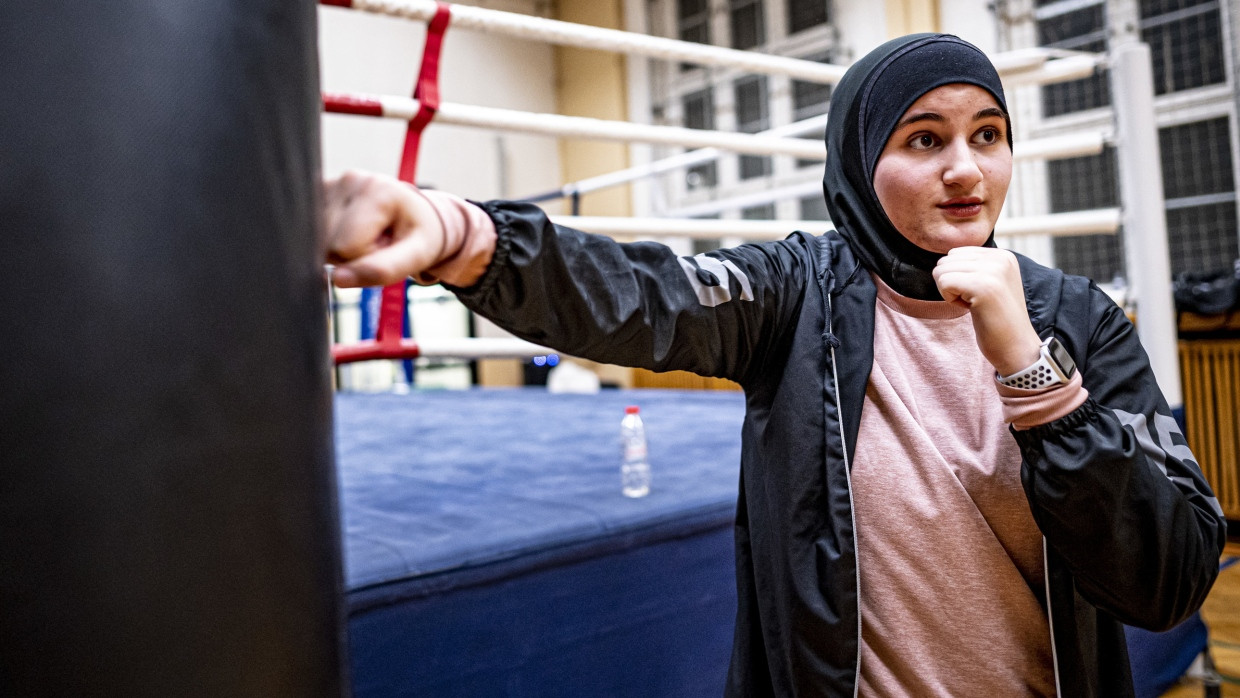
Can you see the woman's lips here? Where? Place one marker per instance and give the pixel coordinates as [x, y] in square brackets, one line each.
[961, 208]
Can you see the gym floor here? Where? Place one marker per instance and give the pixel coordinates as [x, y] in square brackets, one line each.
[1222, 615]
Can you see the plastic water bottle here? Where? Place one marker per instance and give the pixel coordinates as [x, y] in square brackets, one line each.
[635, 467]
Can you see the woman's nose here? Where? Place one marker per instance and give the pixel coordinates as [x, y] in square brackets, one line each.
[961, 168]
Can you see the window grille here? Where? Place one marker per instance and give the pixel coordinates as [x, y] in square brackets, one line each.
[1199, 186]
[1150, 8]
[748, 27]
[700, 113]
[693, 24]
[1079, 184]
[1186, 43]
[765, 212]
[1196, 159]
[1185, 38]
[752, 116]
[809, 99]
[1190, 49]
[1202, 238]
[814, 208]
[715, 99]
[806, 14]
[1079, 29]
[701, 245]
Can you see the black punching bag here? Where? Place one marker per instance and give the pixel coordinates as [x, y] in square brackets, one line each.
[168, 521]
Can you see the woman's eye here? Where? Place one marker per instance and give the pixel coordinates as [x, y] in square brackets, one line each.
[988, 135]
[922, 142]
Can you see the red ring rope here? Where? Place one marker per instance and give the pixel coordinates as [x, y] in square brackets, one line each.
[393, 307]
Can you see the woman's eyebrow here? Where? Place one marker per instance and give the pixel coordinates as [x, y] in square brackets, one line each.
[924, 116]
[934, 116]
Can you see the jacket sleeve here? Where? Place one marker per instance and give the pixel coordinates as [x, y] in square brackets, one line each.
[1116, 491]
[636, 304]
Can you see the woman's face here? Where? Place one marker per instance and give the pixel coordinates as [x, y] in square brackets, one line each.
[944, 172]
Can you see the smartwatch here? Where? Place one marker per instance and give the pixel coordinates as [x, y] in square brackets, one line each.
[1054, 367]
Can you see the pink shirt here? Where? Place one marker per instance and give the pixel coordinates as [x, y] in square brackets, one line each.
[950, 558]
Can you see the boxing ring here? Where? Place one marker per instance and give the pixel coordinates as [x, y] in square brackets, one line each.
[511, 565]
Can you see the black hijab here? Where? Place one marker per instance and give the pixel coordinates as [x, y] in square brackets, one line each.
[865, 107]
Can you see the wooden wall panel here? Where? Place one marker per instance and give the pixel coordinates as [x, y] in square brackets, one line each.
[679, 380]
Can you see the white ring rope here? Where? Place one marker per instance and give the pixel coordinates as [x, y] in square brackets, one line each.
[1070, 145]
[814, 124]
[583, 36]
[1020, 67]
[404, 108]
[1049, 148]
[705, 209]
[770, 142]
[1063, 69]
[694, 228]
[1091, 142]
[1100, 221]
[480, 348]
[1093, 222]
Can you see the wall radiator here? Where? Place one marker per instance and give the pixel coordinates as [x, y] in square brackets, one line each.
[1211, 375]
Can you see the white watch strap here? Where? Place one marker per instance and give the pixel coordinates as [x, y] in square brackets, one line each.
[1044, 373]
[1040, 375]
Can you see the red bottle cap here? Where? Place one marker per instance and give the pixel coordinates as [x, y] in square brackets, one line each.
[632, 409]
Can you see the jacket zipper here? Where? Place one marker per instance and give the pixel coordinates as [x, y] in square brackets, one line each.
[1050, 616]
[839, 411]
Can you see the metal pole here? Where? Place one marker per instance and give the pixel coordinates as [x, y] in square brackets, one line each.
[1146, 253]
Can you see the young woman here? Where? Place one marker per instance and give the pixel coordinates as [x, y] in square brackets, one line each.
[958, 474]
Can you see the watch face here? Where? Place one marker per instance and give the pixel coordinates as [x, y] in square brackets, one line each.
[1062, 357]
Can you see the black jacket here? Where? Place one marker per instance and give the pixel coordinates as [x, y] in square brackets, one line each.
[1132, 533]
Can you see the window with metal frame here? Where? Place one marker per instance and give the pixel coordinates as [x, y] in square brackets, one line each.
[699, 112]
[1186, 43]
[746, 106]
[810, 99]
[752, 116]
[814, 208]
[693, 24]
[1084, 183]
[807, 14]
[700, 245]
[1200, 190]
[765, 212]
[1078, 26]
[747, 23]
